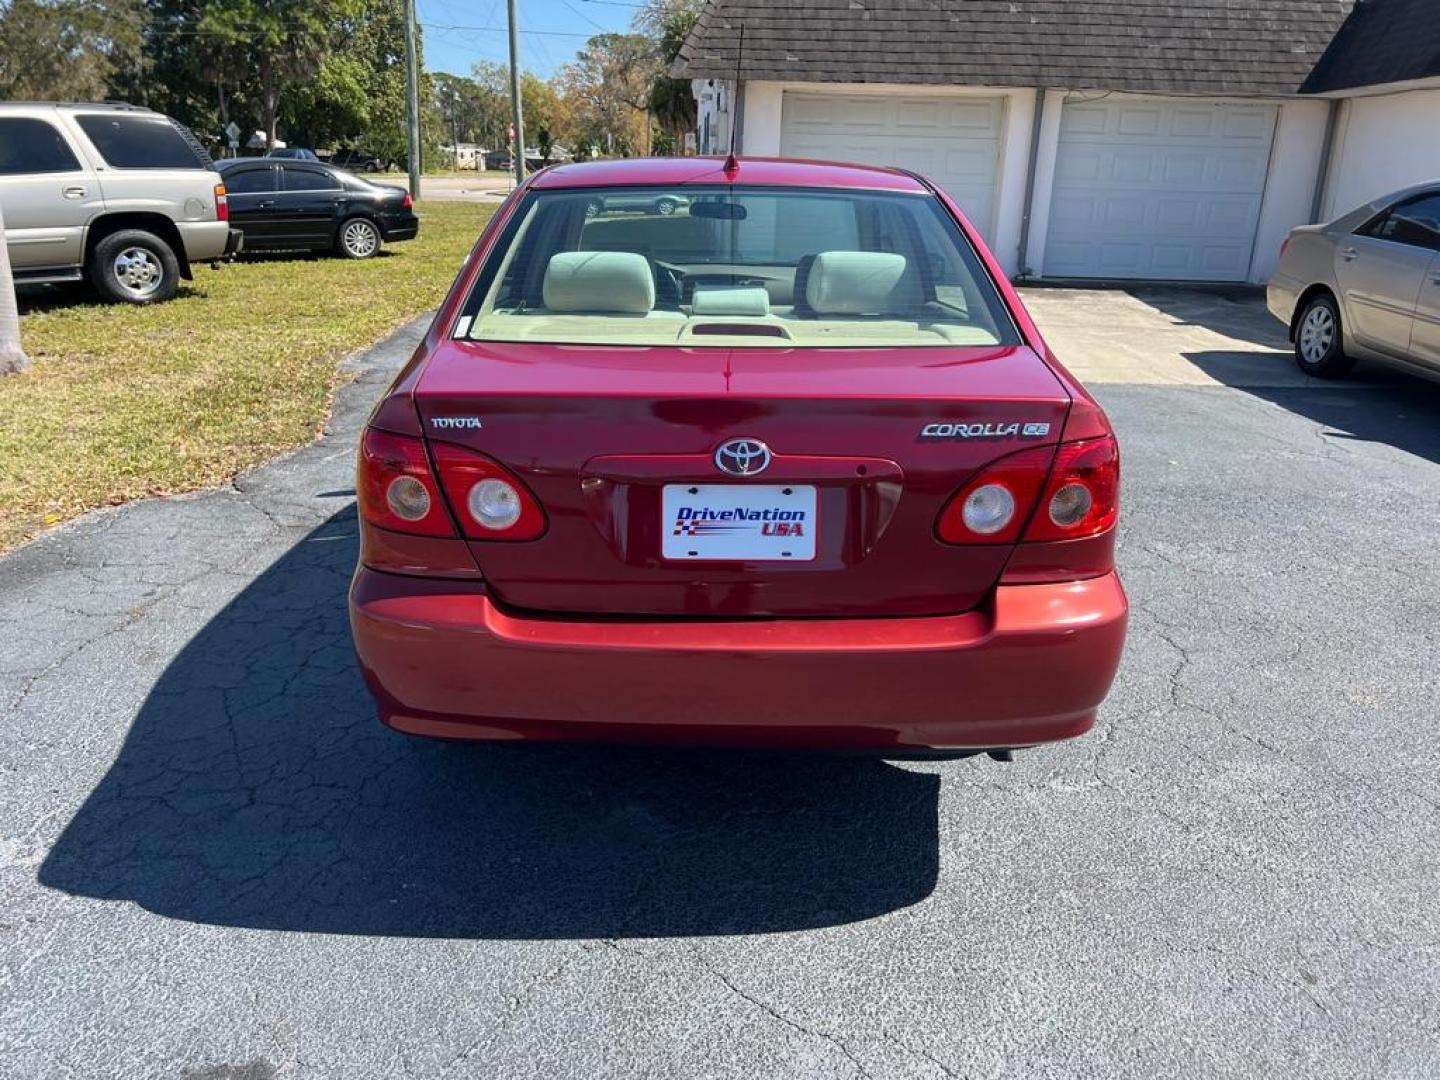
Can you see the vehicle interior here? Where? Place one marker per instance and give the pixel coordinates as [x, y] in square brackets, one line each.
[761, 267]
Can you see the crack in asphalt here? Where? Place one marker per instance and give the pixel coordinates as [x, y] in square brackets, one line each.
[775, 1014]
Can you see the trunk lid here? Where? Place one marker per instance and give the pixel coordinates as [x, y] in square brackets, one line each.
[885, 436]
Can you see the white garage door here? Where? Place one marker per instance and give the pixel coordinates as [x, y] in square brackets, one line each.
[954, 141]
[1165, 190]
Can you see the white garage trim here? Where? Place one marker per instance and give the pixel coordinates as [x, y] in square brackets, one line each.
[1158, 189]
[953, 141]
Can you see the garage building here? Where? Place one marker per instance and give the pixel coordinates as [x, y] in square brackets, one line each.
[1094, 140]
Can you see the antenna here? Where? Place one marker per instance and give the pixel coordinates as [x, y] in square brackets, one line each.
[731, 165]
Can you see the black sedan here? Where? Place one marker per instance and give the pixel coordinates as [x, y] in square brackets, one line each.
[285, 205]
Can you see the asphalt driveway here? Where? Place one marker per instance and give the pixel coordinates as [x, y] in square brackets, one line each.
[214, 863]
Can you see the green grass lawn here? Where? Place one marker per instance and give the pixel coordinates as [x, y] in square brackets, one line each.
[126, 401]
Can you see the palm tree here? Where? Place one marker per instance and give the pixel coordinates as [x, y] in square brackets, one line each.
[671, 101]
[12, 356]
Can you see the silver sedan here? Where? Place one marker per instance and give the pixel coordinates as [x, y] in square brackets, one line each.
[1365, 286]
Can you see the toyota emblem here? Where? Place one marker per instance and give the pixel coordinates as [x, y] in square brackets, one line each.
[742, 457]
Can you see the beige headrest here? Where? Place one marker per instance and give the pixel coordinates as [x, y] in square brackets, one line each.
[741, 300]
[599, 281]
[853, 282]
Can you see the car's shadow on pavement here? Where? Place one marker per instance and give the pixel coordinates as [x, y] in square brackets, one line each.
[257, 789]
[1378, 405]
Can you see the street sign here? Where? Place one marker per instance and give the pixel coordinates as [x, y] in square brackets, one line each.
[232, 135]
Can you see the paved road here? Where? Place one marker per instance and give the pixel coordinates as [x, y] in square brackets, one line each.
[489, 187]
[213, 863]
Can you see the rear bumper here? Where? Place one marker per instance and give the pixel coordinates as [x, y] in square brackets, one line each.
[399, 227]
[234, 243]
[204, 240]
[1281, 294]
[444, 661]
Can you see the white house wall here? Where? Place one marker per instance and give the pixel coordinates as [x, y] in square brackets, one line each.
[1290, 188]
[1383, 143]
[1045, 154]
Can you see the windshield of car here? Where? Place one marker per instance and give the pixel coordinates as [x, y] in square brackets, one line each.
[735, 267]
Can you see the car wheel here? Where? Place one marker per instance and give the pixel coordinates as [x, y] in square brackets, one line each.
[666, 207]
[593, 207]
[358, 238]
[1319, 347]
[372, 166]
[134, 267]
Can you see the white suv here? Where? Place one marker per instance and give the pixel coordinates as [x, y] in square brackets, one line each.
[123, 196]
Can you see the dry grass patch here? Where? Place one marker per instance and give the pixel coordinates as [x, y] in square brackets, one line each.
[129, 401]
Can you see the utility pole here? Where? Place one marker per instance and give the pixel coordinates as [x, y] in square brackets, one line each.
[455, 128]
[515, 110]
[412, 97]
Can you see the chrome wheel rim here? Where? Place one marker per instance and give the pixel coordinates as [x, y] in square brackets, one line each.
[666, 208]
[360, 239]
[591, 209]
[137, 270]
[1317, 334]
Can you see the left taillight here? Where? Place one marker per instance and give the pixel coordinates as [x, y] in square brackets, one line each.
[407, 202]
[222, 203]
[396, 489]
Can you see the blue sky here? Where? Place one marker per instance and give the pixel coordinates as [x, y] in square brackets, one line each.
[551, 30]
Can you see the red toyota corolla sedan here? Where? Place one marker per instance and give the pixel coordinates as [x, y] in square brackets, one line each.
[787, 466]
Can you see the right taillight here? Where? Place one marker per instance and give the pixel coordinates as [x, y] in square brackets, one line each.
[395, 488]
[994, 506]
[1082, 496]
[1065, 492]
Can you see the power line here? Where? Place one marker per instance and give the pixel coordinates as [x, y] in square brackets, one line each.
[582, 15]
[502, 30]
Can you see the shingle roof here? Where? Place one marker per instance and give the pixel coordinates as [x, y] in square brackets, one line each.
[1382, 41]
[1241, 47]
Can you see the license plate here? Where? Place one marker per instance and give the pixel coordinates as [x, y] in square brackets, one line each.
[738, 522]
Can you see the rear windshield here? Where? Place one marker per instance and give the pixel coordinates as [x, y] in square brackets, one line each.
[143, 142]
[734, 266]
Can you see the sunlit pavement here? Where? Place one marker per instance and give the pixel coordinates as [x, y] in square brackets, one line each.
[213, 862]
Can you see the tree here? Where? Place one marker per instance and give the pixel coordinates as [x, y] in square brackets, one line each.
[285, 42]
[473, 113]
[492, 82]
[68, 50]
[200, 79]
[12, 356]
[357, 93]
[672, 102]
[608, 87]
[545, 109]
[542, 103]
